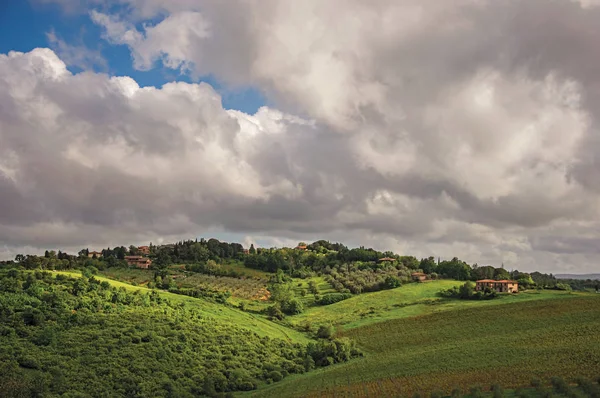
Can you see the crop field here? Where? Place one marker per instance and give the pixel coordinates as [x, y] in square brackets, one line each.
[507, 343]
[302, 284]
[254, 322]
[250, 288]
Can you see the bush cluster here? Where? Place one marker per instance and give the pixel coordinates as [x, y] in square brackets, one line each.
[467, 292]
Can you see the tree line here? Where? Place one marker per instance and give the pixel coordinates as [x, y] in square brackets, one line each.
[354, 270]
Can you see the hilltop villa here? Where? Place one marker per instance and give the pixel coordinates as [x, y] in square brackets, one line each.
[138, 261]
[503, 286]
[92, 254]
[144, 249]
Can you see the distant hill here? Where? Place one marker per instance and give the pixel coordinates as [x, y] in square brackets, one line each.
[577, 276]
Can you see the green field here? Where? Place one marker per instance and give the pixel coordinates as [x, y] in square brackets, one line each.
[414, 299]
[508, 341]
[253, 322]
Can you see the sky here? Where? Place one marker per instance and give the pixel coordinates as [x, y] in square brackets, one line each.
[463, 128]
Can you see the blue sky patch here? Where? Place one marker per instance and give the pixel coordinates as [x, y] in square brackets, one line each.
[25, 26]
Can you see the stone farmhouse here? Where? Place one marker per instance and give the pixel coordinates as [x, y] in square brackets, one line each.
[503, 286]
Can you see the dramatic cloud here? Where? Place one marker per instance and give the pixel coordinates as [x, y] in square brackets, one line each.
[467, 128]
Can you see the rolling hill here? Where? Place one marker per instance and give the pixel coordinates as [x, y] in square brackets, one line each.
[509, 342]
[412, 340]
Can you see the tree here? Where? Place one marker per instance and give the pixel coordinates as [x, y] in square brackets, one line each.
[392, 282]
[281, 292]
[252, 249]
[162, 262]
[525, 280]
[467, 290]
[274, 311]
[292, 306]
[455, 269]
[484, 272]
[313, 288]
[428, 265]
[325, 331]
[501, 274]
[408, 261]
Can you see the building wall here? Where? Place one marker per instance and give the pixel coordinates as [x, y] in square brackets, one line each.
[500, 287]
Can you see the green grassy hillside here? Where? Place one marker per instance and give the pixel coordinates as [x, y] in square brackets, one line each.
[84, 337]
[509, 341]
[410, 300]
[254, 322]
[414, 340]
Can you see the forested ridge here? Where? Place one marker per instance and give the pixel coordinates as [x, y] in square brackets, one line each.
[349, 269]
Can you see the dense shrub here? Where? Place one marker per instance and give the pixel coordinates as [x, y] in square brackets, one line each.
[332, 298]
[292, 306]
[467, 292]
[325, 331]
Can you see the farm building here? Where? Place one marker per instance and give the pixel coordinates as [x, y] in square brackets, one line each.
[138, 261]
[418, 276]
[144, 249]
[503, 286]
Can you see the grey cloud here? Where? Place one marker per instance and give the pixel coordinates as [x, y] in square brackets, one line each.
[465, 128]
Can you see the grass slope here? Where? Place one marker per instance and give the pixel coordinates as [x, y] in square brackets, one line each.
[410, 300]
[255, 323]
[368, 308]
[508, 341]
